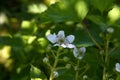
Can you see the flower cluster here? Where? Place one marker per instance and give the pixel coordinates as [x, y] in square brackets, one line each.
[66, 42]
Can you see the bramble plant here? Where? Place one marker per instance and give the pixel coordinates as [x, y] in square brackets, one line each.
[60, 40]
[64, 42]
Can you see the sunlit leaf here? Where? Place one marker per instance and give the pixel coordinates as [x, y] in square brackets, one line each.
[61, 11]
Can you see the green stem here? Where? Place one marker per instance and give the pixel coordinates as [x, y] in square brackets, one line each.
[106, 57]
[77, 71]
[86, 68]
[91, 37]
[55, 64]
[60, 68]
[53, 68]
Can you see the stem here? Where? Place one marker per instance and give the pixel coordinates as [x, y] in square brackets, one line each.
[86, 68]
[106, 57]
[77, 71]
[60, 68]
[91, 37]
[55, 64]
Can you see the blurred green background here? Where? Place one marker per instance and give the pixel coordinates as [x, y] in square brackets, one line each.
[24, 25]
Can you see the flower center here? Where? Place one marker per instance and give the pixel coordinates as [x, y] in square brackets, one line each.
[61, 40]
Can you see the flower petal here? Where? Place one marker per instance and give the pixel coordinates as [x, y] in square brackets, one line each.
[70, 38]
[82, 50]
[70, 46]
[75, 52]
[61, 34]
[63, 45]
[52, 38]
[56, 44]
[117, 67]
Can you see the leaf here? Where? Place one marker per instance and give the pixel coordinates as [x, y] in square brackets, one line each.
[65, 11]
[28, 27]
[99, 21]
[81, 9]
[14, 41]
[83, 39]
[102, 5]
[36, 73]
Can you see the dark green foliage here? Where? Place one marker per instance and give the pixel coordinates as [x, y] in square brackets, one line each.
[25, 33]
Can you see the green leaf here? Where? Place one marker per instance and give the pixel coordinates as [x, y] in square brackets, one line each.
[81, 9]
[28, 27]
[14, 41]
[65, 11]
[36, 73]
[102, 5]
[99, 21]
[83, 39]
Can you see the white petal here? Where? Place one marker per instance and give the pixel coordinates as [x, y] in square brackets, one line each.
[82, 49]
[75, 52]
[61, 34]
[63, 45]
[70, 38]
[118, 67]
[70, 46]
[80, 57]
[56, 44]
[52, 38]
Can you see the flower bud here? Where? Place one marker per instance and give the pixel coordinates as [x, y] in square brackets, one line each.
[85, 77]
[45, 60]
[55, 74]
[65, 58]
[76, 68]
[49, 47]
[68, 66]
[110, 30]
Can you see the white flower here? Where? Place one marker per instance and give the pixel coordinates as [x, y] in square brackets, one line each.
[117, 67]
[79, 53]
[61, 40]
